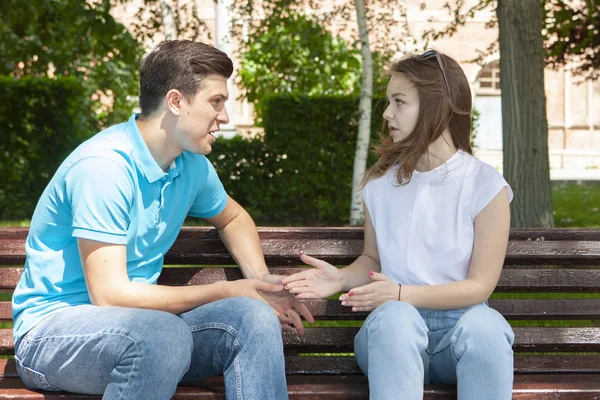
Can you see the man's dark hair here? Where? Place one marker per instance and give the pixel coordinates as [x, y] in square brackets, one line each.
[181, 65]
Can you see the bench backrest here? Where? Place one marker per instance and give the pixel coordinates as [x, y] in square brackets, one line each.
[556, 333]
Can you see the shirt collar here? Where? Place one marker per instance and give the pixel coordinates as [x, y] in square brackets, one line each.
[147, 163]
[441, 172]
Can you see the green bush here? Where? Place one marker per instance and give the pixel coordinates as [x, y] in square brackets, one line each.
[300, 171]
[41, 121]
[296, 54]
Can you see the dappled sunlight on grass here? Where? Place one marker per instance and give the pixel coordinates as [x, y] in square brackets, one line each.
[21, 222]
[576, 205]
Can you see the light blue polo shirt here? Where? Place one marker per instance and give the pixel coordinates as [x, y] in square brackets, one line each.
[110, 189]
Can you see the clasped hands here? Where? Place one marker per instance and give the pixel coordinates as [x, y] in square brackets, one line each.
[320, 282]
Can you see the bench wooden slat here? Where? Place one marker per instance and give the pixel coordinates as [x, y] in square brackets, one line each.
[511, 280]
[549, 280]
[528, 339]
[540, 387]
[340, 252]
[341, 340]
[347, 365]
[511, 309]
[524, 364]
[201, 245]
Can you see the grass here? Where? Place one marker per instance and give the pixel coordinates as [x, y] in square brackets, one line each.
[576, 204]
[20, 222]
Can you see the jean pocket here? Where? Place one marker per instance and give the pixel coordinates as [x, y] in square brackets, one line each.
[33, 379]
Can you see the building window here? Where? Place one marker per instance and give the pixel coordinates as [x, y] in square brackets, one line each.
[489, 79]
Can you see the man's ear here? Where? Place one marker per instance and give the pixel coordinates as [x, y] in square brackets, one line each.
[174, 99]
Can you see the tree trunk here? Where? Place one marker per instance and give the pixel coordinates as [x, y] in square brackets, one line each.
[168, 20]
[524, 123]
[364, 113]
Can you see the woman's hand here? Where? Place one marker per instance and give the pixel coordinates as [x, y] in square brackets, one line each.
[368, 297]
[315, 283]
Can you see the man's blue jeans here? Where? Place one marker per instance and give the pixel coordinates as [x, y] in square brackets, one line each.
[400, 348]
[130, 353]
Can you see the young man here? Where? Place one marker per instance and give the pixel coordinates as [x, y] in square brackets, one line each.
[89, 317]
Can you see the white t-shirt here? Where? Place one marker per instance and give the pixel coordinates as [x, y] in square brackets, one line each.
[425, 229]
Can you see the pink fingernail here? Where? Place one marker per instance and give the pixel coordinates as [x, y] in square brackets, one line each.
[300, 252]
[370, 273]
[350, 293]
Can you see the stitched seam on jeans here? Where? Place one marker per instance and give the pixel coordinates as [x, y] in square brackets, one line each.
[75, 336]
[134, 368]
[214, 325]
[453, 340]
[236, 345]
[238, 372]
[96, 334]
[19, 362]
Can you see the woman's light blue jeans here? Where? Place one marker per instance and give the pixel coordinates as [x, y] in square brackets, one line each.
[130, 353]
[401, 347]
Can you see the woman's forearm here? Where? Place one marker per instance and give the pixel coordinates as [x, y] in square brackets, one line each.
[447, 296]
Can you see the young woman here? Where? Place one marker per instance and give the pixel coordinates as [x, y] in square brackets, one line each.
[435, 236]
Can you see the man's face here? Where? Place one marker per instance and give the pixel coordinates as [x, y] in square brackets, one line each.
[200, 118]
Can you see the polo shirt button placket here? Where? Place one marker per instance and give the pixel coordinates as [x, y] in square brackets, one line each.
[165, 181]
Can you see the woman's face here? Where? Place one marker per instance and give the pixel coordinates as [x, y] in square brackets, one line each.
[403, 111]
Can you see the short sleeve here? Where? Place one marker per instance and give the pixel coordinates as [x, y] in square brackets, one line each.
[100, 193]
[366, 190]
[212, 197]
[489, 183]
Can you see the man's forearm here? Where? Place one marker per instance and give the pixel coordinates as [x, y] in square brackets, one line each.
[173, 299]
[241, 239]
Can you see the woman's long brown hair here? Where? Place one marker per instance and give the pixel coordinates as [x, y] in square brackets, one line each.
[438, 110]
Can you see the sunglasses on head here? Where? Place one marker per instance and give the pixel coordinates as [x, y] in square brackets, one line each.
[431, 53]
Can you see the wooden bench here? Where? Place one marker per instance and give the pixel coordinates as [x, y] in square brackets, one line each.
[551, 362]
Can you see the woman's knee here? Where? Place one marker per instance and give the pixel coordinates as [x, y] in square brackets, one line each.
[483, 330]
[393, 325]
[396, 317]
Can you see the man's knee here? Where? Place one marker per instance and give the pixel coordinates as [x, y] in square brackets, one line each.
[161, 341]
[256, 316]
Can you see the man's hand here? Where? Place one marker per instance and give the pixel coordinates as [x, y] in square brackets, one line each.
[287, 306]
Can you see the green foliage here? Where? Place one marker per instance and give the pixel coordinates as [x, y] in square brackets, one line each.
[296, 54]
[387, 21]
[300, 171]
[572, 33]
[570, 29]
[475, 115]
[41, 121]
[72, 38]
